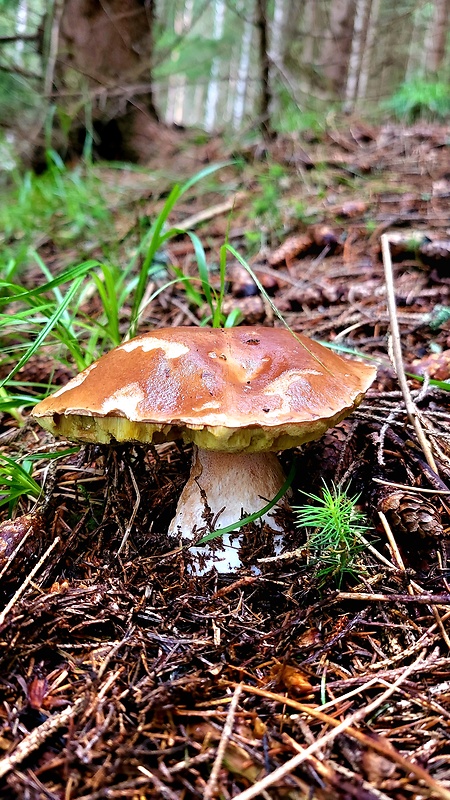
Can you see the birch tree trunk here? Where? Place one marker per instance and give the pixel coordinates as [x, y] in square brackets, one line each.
[243, 71]
[368, 49]
[177, 83]
[354, 64]
[277, 31]
[21, 26]
[212, 95]
[277, 41]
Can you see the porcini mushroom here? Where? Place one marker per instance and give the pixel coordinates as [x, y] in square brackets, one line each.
[238, 394]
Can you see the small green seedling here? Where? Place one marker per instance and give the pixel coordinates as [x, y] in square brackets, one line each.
[336, 527]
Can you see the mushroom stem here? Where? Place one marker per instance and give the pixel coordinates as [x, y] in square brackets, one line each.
[222, 488]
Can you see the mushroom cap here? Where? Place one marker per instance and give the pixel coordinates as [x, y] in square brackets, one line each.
[233, 389]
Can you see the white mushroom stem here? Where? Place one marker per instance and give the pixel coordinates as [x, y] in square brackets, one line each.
[224, 487]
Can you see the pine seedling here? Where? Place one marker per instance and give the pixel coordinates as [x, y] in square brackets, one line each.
[336, 528]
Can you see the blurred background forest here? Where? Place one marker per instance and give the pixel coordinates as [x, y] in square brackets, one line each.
[115, 68]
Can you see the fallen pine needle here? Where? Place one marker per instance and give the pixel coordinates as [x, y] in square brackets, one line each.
[34, 739]
[411, 409]
[27, 581]
[224, 739]
[343, 727]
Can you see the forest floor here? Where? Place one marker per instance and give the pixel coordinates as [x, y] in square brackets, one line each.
[123, 675]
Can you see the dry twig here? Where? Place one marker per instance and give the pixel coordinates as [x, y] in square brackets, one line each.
[411, 409]
[34, 739]
[347, 727]
[224, 739]
[27, 581]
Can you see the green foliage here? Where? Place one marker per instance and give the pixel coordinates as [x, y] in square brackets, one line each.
[16, 478]
[420, 98]
[266, 207]
[156, 238]
[270, 193]
[335, 528]
[66, 204]
[16, 481]
[440, 315]
[16, 96]
[290, 118]
[273, 208]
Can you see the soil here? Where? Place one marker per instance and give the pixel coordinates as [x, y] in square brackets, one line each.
[122, 674]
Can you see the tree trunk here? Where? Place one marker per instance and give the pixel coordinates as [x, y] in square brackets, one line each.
[265, 96]
[337, 44]
[21, 27]
[243, 72]
[212, 95]
[435, 50]
[176, 92]
[309, 32]
[367, 51]
[103, 73]
[414, 64]
[277, 32]
[354, 65]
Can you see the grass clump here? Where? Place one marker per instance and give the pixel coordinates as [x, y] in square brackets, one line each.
[336, 527]
[420, 98]
[65, 204]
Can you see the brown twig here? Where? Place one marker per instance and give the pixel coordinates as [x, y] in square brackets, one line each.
[442, 599]
[413, 489]
[411, 409]
[27, 581]
[340, 727]
[331, 773]
[214, 211]
[224, 739]
[34, 739]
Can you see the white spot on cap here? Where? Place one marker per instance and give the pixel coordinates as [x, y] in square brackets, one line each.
[171, 349]
[124, 400]
[280, 387]
[206, 406]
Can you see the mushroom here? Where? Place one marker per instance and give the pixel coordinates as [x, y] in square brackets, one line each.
[238, 394]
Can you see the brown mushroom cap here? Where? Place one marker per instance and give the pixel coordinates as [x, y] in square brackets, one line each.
[234, 389]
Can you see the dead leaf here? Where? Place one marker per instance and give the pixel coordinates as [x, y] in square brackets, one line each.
[291, 678]
[436, 365]
[292, 247]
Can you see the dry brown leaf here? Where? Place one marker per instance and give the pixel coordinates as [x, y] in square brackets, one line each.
[291, 678]
[436, 365]
[13, 531]
[292, 247]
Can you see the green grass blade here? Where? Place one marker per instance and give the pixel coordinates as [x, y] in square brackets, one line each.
[203, 270]
[65, 277]
[51, 323]
[155, 238]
